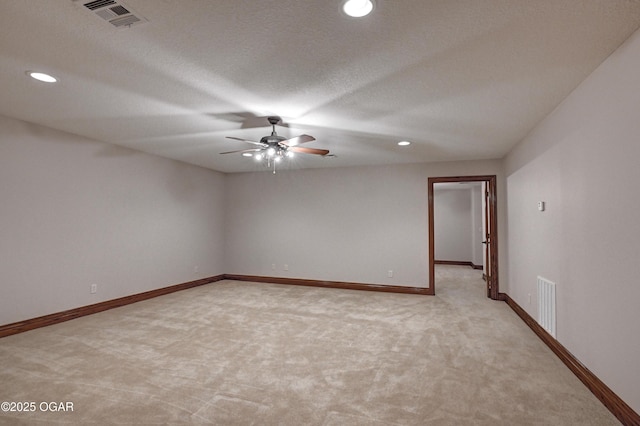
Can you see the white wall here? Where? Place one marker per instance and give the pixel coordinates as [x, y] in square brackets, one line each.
[452, 220]
[343, 224]
[583, 162]
[75, 212]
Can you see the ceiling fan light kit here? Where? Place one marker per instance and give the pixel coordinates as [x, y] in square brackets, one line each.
[273, 149]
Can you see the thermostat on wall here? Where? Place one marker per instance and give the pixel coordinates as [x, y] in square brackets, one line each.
[541, 206]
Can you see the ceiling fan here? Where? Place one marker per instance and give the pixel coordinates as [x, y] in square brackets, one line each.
[275, 148]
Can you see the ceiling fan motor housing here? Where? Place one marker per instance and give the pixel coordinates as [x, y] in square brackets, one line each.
[274, 119]
[273, 139]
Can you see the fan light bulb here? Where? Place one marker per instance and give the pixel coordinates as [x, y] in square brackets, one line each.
[290, 154]
[271, 152]
[258, 157]
[358, 8]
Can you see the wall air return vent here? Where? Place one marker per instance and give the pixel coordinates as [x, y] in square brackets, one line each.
[547, 305]
[114, 12]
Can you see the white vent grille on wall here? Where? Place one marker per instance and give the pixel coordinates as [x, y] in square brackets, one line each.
[547, 305]
[114, 12]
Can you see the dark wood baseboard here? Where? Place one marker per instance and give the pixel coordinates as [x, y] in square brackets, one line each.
[58, 317]
[613, 402]
[330, 284]
[452, 262]
[457, 263]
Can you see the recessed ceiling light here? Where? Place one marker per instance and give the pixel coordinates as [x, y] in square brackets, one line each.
[358, 8]
[247, 154]
[42, 76]
[404, 143]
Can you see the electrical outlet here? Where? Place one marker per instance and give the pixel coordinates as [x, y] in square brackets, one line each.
[529, 298]
[390, 273]
[196, 269]
[286, 267]
[273, 266]
[94, 288]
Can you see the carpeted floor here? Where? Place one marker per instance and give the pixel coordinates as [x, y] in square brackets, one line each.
[234, 353]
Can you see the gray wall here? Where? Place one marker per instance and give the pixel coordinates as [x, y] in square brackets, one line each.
[452, 216]
[75, 212]
[582, 161]
[345, 224]
[477, 226]
[458, 223]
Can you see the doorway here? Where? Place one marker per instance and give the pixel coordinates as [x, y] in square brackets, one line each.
[490, 226]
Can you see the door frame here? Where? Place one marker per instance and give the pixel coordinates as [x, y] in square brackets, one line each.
[493, 290]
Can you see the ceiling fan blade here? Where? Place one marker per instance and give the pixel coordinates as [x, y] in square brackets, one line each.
[242, 150]
[305, 150]
[244, 140]
[298, 140]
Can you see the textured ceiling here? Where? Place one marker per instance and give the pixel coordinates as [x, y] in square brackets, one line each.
[461, 79]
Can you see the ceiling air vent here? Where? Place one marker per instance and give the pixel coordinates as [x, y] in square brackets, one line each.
[97, 4]
[114, 12]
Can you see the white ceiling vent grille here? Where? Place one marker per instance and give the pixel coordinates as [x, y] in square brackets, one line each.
[114, 12]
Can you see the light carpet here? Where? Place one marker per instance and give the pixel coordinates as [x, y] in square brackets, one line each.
[237, 353]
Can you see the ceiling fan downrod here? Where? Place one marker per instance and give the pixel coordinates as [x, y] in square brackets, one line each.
[274, 119]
